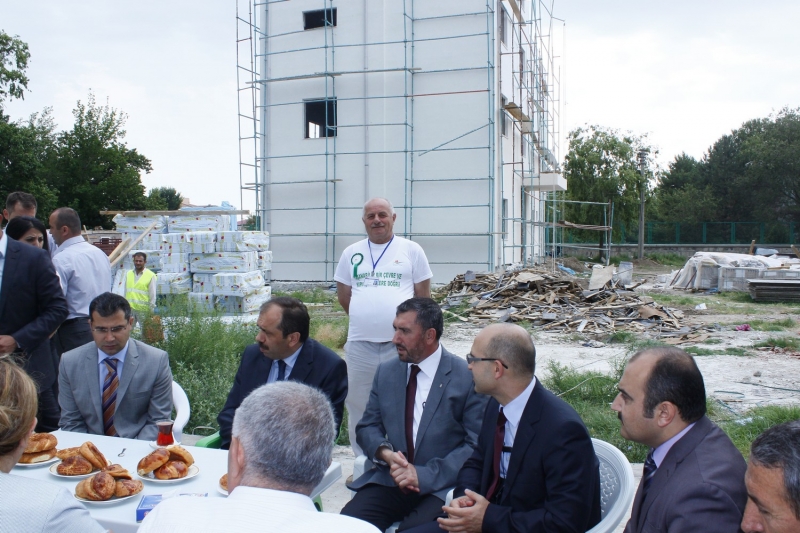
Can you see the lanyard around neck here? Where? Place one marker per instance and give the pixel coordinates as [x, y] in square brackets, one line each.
[375, 263]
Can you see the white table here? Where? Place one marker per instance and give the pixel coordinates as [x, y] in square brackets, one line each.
[121, 517]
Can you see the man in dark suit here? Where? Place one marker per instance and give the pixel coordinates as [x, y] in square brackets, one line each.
[32, 306]
[534, 468]
[693, 477]
[420, 425]
[285, 352]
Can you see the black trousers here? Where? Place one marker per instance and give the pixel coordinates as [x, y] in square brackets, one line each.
[382, 506]
[49, 413]
[72, 334]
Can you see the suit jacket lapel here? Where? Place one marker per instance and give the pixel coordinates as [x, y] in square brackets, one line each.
[525, 435]
[674, 457]
[302, 366]
[92, 370]
[9, 270]
[440, 381]
[128, 370]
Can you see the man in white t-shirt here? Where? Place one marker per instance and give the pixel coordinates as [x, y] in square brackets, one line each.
[373, 277]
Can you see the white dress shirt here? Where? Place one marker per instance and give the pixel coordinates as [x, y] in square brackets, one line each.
[3, 248]
[290, 362]
[85, 273]
[513, 411]
[427, 369]
[248, 509]
[101, 356]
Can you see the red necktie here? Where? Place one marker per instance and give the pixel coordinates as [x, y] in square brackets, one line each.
[411, 394]
[499, 437]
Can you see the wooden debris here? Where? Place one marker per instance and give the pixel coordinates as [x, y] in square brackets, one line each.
[559, 302]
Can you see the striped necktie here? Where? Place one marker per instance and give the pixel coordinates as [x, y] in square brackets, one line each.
[110, 396]
[648, 472]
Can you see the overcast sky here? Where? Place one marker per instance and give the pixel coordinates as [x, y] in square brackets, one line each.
[685, 72]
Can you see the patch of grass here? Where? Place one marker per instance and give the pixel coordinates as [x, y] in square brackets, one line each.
[772, 325]
[788, 343]
[642, 344]
[590, 394]
[343, 439]
[330, 331]
[673, 300]
[744, 430]
[668, 259]
[712, 341]
[733, 350]
[311, 296]
[621, 337]
[732, 296]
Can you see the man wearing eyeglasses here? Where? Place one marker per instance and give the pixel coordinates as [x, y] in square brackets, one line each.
[534, 468]
[116, 386]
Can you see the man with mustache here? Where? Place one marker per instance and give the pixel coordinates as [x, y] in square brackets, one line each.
[420, 425]
[284, 351]
[373, 277]
[693, 478]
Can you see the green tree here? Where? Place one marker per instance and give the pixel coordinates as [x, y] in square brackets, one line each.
[167, 197]
[27, 153]
[601, 166]
[95, 169]
[14, 56]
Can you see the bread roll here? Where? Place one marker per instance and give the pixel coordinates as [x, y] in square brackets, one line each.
[179, 453]
[100, 487]
[152, 461]
[117, 472]
[40, 457]
[223, 482]
[127, 487]
[74, 466]
[40, 442]
[80, 489]
[172, 470]
[93, 455]
[68, 452]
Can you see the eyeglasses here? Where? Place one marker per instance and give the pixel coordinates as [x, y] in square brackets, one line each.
[472, 359]
[115, 329]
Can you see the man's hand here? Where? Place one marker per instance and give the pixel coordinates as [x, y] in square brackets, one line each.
[7, 344]
[404, 473]
[465, 514]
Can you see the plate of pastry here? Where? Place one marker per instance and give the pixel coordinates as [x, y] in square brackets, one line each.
[222, 488]
[41, 450]
[108, 487]
[80, 462]
[167, 465]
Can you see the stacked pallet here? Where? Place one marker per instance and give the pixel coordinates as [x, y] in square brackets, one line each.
[775, 290]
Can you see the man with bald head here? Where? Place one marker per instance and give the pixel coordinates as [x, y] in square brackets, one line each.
[534, 468]
[693, 476]
[373, 277]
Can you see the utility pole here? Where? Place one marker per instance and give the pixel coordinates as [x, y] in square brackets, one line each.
[642, 157]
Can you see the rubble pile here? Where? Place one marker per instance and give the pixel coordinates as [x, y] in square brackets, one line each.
[558, 302]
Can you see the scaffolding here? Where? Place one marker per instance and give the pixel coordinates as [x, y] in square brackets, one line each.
[421, 83]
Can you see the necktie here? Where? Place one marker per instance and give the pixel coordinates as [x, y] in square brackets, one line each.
[647, 473]
[110, 396]
[281, 370]
[411, 394]
[499, 437]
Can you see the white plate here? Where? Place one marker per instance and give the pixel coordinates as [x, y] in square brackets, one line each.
[221, 490]
[106, 502]
[193, 471]
[54, 470]
[156, 446]
[49, 461]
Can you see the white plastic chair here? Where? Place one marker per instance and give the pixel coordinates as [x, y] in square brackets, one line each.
[617, 486]
[182, 411]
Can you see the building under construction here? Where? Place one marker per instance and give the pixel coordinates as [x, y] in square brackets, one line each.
[449, 109]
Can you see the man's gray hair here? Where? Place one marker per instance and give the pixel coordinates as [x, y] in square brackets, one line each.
[287, 431]
[391, 207]
[779, 447]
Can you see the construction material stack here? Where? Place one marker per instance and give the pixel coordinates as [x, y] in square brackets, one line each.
[197, 255]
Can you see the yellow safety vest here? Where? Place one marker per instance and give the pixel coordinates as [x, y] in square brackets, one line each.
[136, 291]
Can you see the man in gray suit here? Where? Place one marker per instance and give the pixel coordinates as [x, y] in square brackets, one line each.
[114, 386]
[420, 425]
[693, 477]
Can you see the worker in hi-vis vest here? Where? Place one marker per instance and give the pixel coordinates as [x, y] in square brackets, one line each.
[139, 286]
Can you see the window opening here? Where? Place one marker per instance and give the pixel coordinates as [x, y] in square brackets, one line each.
[319, 18]
[320, 118]
[503, 117]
